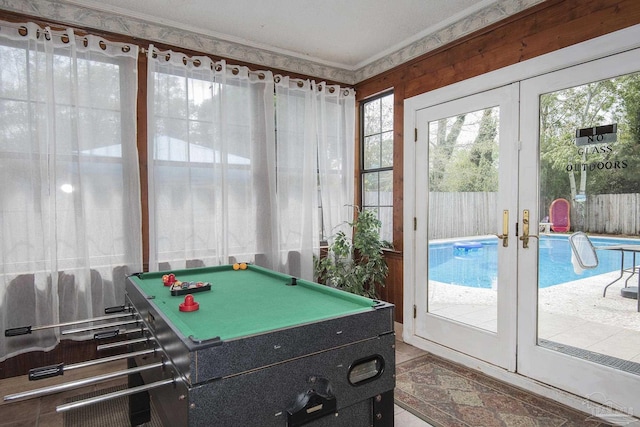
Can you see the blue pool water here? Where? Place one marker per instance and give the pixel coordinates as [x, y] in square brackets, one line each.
[470, 265]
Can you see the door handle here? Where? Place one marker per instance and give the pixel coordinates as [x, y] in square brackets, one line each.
[525, 230]
[505, 229]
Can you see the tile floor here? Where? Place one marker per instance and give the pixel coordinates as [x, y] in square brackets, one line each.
[406, 352]
[40, 411]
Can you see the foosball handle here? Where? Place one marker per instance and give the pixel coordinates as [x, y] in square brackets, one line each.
[106, 334]
[115, 309]
[14, 332]
[46, 372]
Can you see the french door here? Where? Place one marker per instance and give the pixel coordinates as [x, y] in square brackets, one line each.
[465, 224]
[583, 121]
[488, 267]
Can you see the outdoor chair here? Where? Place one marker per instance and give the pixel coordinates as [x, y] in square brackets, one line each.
[560, 215]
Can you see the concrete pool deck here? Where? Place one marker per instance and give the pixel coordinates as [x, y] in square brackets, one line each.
[572, 313]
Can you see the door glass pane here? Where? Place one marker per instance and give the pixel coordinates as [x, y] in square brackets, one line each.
[463, 188]
[590, 182]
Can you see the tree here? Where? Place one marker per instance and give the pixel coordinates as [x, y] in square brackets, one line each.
[461, 164]
[441, 149]
[568, 170]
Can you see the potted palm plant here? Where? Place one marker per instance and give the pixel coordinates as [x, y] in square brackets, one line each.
[355, 264]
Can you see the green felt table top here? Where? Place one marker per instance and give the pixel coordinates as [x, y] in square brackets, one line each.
[246, 302]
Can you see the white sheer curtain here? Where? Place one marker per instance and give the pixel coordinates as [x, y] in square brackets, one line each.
[315, 167]
[335, 115]
[297, 176]
[211, 162]
[234, 171]
[69, 200]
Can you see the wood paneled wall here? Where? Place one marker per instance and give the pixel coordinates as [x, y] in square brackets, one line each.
[544, 28]
[391, 292]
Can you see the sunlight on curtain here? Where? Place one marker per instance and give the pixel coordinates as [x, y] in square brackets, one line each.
[69, 200]
[297, 176]
[335, 115]
[315, 158]
[211, 162]
[234, 170]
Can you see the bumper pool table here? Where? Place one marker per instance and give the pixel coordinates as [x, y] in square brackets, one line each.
[264, 349]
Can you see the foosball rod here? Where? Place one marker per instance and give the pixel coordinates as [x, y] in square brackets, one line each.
[60, 368]
[124, 343]
[114, 395]
[101, 326]
[24, 330]
[80, 383]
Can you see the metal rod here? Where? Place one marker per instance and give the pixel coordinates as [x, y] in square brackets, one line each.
[79, 383]
[123, 343]
[29, 329]
[104, 325]
[114, 395]
[60, 368]
[108, 359]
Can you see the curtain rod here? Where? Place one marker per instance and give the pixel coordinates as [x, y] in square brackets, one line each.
[24, 31]
[236, 70]
[64, 37]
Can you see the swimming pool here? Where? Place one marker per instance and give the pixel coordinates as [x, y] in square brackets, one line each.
[475, 265]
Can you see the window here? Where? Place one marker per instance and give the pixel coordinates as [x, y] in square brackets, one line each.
[377, 160]
[70, 194]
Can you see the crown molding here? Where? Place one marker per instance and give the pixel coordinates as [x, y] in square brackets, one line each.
[484, 17]
[74, 15]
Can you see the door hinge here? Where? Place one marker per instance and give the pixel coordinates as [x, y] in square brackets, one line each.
[415, 223]
[415, 311]
[415, 134]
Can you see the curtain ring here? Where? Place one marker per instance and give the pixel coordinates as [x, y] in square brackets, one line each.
[197, 63]
[126, 48]
[276, 79]
[235, 71]
[300, 83]
[64, 38]
[261, 76]
[332, 89]
[184, 60]
[102, 45]
[167, 57]
[85, 42]
[218, 67]
[23, 31]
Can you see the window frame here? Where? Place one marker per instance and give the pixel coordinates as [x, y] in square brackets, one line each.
[363, 171]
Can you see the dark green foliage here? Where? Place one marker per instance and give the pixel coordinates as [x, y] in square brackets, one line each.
[355, 264]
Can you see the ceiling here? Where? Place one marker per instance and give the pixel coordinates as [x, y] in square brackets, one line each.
[347, 34]
[343, 40]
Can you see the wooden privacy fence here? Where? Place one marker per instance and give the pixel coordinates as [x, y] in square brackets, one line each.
[610, 214]
[472, 214]
[462, 214]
